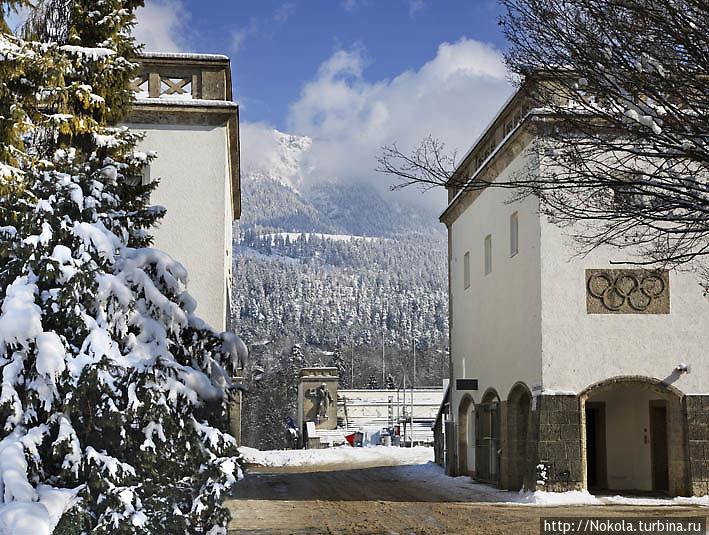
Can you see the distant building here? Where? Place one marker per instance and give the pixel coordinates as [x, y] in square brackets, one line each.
[566, 372]
[367, 410]
[184, 105]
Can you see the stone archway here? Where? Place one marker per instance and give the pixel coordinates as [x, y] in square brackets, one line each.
[633, 436]
[519, 405]
[487, 438]
[466, 436]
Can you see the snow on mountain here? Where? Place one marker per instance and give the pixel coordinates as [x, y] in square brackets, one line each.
[270, 154]
[282, 193]
[323, 261]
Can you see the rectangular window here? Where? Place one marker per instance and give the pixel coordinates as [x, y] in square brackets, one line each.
[466, 270]
[514, 235]
[488, 254]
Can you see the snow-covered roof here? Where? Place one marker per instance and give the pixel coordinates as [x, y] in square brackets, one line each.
[515, 96]
[185, 55]
[485, 130]
[194, 102]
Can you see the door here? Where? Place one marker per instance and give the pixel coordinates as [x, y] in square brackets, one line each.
[487, 442]
[596, 472]
[658, 445]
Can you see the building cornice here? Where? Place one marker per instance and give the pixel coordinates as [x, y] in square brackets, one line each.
[494, 164]
[190, 89]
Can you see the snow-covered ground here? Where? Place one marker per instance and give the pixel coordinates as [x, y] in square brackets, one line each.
[416, 465]
[339, 456]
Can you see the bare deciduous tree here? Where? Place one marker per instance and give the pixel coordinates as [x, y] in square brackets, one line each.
[620, 113]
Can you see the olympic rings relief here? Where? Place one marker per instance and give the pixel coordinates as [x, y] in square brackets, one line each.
[631, 291]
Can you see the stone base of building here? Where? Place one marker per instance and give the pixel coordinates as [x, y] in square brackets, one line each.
[553, 454]
[556, 444]
[697, 413]
[626, 433]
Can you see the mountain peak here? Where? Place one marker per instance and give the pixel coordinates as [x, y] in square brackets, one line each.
[271, 154]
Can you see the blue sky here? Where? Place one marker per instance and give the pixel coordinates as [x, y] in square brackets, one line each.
[352, 75]
[276, 46]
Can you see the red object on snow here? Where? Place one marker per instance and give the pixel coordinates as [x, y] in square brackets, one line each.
[350, 439]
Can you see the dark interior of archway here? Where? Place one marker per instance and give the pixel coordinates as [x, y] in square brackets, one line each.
[597, 453]
[596, 471]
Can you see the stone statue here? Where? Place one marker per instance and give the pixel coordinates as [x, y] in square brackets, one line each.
[323, 399]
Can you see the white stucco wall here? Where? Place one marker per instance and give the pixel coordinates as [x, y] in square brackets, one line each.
[496, 322]
[192, 166]
[228, 227]
[580, 349]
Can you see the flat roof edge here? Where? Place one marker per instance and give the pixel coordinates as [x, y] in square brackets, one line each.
[184, 55]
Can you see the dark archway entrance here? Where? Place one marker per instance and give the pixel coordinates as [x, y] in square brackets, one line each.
[519, 404]
[466, 438]
[633, 436]
[487, 439]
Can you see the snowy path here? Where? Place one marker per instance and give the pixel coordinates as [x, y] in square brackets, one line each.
[417, 498]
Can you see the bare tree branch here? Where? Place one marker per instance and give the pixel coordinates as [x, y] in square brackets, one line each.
[619, 110]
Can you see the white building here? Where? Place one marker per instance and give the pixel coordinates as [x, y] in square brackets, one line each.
[184, 106]
[565, 371]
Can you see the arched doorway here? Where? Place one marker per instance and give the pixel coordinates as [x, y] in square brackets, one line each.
[487, 438]
[466, 436]
[519, 403]
[633, 436]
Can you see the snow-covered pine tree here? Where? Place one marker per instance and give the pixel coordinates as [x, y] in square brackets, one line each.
[113, 393]
[344, 368]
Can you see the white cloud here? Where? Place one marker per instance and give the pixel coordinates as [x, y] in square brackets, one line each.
[283, 13]
[452, 97]
[261, 27]
[162, 26]
[416, 5]
[349, 5]
[239, 36]
[265, 152]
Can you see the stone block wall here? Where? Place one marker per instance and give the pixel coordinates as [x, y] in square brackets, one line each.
[697, 411]
[556, 448]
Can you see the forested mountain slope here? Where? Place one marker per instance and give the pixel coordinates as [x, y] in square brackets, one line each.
[326, 274]
[311, 278]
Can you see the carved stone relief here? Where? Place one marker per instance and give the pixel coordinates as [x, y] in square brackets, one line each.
[627, 291]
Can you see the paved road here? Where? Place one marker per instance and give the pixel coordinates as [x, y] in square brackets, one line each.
[387, 500]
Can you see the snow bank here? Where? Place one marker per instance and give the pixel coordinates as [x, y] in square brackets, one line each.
[463, 488]
[678, 500]
[572, 497]
[693, 500]
[342, 455]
